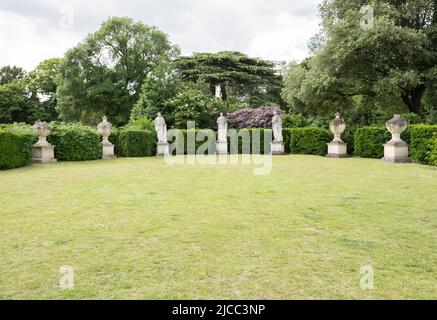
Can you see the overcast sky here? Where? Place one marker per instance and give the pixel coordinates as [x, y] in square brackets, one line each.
[34, 30]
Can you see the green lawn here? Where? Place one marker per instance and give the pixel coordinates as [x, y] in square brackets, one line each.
[141, 229]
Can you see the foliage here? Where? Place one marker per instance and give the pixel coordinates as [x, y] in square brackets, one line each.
[389, 67]
[369, 141]
[421, 141]
[432, 156]
[294, 121]
[11, 73]
[14, 105]
[75, 142]
[144, 123]
[104, 73]
[251, 80]
[15, 146]
[135, 142]
[193, 103]
[251, 137]
[309, 140]
[252, 118]
[205, 138]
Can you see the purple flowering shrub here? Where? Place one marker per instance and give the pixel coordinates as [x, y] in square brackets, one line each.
[252, 118]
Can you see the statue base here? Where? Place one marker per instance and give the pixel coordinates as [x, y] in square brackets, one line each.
[162, 149]
[277, 148]
[107, 151]
[221, 148]
[43, 154]
[337, 149]
[396, 152]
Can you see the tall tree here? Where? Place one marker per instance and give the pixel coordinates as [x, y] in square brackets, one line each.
[387, 59]
[250, 79]
[11, 73]
[104, 73]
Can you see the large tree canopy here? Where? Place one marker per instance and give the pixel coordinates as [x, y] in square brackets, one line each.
[11, 73]
[104, 73]
[390, 64]
[251, 80]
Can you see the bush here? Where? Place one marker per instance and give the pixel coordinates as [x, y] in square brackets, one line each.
[75, 142]
[286, 133]
[253, 148]
[294, 121]
[310, 140]
[131, 142]
[15, 146]
[432, 156]
[369, 142]
[252, 118]
[420, 141]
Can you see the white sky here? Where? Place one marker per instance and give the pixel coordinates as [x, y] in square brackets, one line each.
[34, 30]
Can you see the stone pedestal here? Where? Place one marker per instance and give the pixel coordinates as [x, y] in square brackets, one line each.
[221, 147]
[43, 154]
[107, 151]
[337, 149]
[162, 149]
[396, 152]
[278, 148]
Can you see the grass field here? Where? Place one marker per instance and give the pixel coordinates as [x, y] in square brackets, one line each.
[141, 229]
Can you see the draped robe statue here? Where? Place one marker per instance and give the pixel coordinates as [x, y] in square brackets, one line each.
[161, 129]
[222, 128]
[277, 128]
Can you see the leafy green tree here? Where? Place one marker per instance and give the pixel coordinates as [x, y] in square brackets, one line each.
[158, 88]
[14, 106]
[11, 73]
[104, 73]
[194, 103]
[249, 79]
[389, 65]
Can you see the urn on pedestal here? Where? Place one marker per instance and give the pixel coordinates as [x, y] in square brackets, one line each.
[42, 151]
[105, 130]
[396, 150]
[337, 148]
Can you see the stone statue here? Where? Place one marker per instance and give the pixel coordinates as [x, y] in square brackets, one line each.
[161, 129]
[277, 127]
[222, 129]
[105, 130]
[218, 92]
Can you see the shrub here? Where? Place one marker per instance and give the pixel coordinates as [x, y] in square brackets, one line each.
[369, 141]
[294, 121]
[75, 142]
[310, 140]
[253, 148]
[432, 156]
[252, 118]
[420, 141]
[286, 133]
[133, 142]
[15, 146]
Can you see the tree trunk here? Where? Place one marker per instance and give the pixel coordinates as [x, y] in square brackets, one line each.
[413, 99]
[224, 93]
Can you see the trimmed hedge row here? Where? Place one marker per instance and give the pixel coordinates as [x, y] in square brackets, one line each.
[421, 137]
[369, 142]
[75, 142]
[432, 157]
[310, 140]
[15, 146]
[136, 143]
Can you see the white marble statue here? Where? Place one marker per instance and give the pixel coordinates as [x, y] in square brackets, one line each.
[218, 92]
[222, 129]
[277, 127]
[161, 129]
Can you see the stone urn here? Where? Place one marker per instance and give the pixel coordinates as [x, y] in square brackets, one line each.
[42, 151]
[42, 129]
[337, 148]
[396, 126]
[337, 127]
[396, 150]
[105, 130]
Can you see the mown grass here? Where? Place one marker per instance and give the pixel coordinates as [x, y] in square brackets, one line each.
[141, 229]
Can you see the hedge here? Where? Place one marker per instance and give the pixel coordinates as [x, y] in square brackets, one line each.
[432, 156]
[132, 142]
[15, 146]
[421, 137]
[181, 141]
[310, 140]
[75, 142]
[369, 142]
